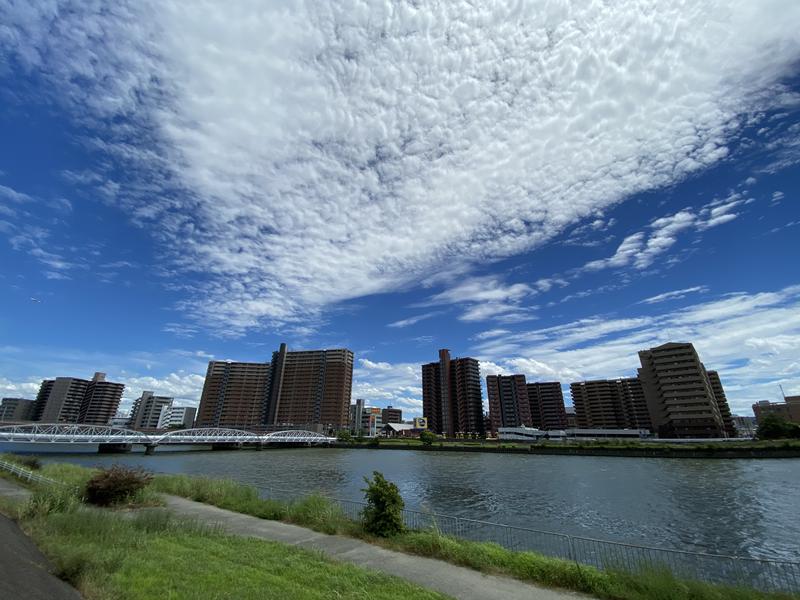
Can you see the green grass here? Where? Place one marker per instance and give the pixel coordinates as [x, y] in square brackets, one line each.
[322, 515]
[151, 555]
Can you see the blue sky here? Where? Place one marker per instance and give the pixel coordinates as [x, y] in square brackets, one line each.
[549, 188]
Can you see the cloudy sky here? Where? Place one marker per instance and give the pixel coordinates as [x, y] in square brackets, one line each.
[547, 186]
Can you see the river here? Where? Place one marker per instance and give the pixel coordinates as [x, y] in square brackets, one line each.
[738, 507]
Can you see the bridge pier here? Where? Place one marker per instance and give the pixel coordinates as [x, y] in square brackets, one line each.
[149, 449]
[114, 448]
[226, 446]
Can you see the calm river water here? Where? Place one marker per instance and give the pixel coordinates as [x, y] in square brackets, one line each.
[744, 507]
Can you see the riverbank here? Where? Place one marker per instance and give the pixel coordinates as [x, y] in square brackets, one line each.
[737, 450]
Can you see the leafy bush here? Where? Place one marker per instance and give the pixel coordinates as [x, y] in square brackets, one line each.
[115, 485]
[344, 436]
[31, 462]
[773, 427]
[427, 438]
[383, 515]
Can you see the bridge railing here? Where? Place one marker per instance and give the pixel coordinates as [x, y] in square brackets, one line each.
[771, 575]
[26, 474]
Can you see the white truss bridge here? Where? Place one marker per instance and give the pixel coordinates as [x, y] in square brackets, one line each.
[62, 433]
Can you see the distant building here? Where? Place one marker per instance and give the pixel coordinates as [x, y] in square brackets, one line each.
[147, 409]
[789, 409]
[531, 434]
[391, 415]
[73, 400]
[509, 405]
[307, 389]
[371, 421]
[120, 421]
[451, 395]
[177, 417]
[745, 426]
[16, 409]
[356, 410]
[610, 404]
[682, 399]
[547, 405]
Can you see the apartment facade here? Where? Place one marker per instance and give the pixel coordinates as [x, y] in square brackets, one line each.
[451, 395]
[509, 405]
[16, 409]
[610, 404]
[74, 400]
[307, 389]
[147, 410]
[234, 395]
[547, 405]
[680, 395]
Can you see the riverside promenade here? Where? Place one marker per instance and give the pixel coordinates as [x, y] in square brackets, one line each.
[457, 582]
[25, 573]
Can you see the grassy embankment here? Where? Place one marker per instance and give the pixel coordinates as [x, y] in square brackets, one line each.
[119, 555]
[318, 513]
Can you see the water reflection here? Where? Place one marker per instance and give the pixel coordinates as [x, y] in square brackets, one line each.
[744, 507]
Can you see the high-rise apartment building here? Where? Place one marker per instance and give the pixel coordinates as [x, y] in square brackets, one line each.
[310, 387]
[722, 403]
[547, 405]
[610, 404]
[451, 395]
[234, 395]
[73, 400]
[147, 410]
[391, 415]
[509, 405]
[16, 409]
[680, 395]
[303, 389]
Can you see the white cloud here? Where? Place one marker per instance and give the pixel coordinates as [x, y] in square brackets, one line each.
[675, 294]
[304, 154]
[383, 384]
[413, 320]
[751, 339]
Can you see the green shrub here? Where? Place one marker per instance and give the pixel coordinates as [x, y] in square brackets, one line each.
[774, 427]
[31, 462]
[344, 436]
[383, 515]
[115, 485]
[427, 437]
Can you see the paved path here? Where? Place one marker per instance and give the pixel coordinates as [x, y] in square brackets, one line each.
[458, 582]
[25, 573]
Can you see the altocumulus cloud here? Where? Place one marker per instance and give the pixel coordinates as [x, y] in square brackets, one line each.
[301, 154]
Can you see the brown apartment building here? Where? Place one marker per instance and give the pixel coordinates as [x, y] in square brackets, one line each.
[683, 400]
[74, 400]
[610, 404]
[547, 405]
[308, 389]
[451, 395]
[789, 409]
[509, 405]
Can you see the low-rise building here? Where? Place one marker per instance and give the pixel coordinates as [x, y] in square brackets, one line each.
[403, 430]
[391, 415]
[789, 409]
[177, 417]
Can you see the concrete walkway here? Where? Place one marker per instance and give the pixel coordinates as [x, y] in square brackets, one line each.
[458, 582]
[25, 573]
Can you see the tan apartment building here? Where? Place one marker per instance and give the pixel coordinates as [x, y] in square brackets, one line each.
[74, 400]
[452, 400]
[680, 395]
[610, 404]
[509, 405]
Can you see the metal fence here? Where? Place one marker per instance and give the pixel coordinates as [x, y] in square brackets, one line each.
[27, 474]
[761, 574]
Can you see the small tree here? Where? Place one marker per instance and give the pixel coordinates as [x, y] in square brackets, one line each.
[344, 436]
[774, 427]
[383, 515]
[427, 437]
